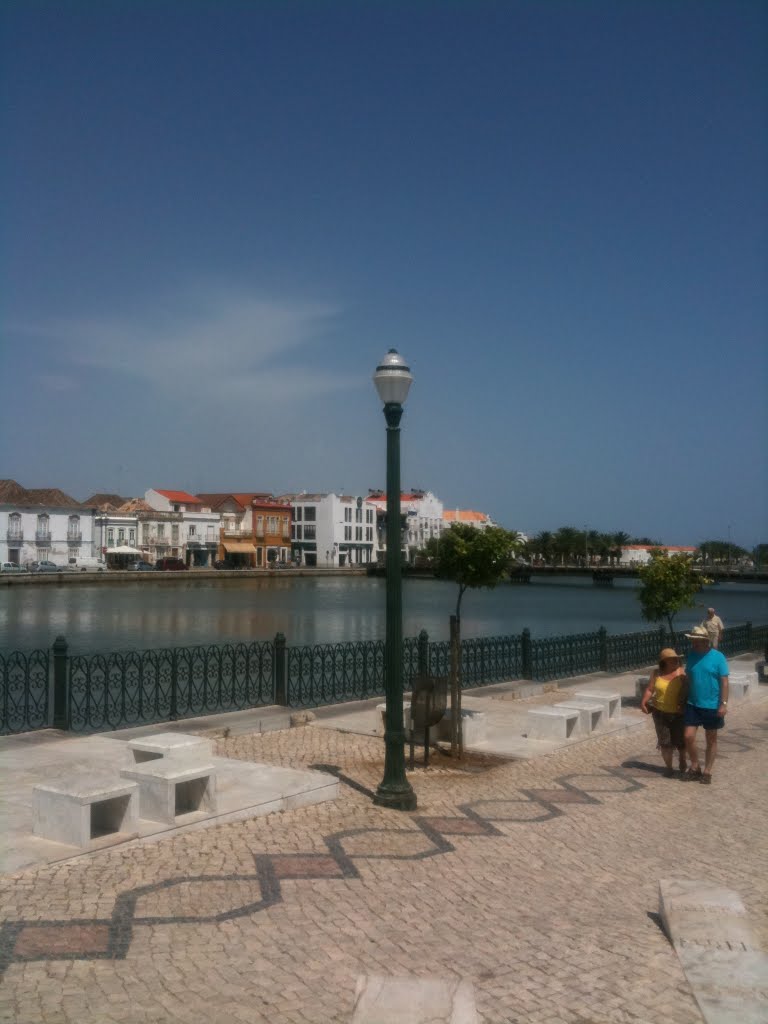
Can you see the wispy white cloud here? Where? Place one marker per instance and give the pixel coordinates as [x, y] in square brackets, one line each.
[229, 345]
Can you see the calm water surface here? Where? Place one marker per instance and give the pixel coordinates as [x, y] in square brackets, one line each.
[324, 610]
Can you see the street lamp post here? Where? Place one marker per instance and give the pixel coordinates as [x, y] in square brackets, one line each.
[393, 380]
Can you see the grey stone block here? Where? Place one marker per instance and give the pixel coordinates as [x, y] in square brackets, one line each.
[79, 809]
[168, 788]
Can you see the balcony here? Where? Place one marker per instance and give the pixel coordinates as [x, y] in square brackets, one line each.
[75, 537]
[43, 537]
[15, 535]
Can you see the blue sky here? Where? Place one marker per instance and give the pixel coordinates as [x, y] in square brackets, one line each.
[219, 215]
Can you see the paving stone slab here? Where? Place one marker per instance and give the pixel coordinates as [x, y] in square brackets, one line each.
[383, 1000]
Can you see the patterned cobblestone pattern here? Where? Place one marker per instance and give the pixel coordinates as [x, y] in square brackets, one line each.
[536, 881]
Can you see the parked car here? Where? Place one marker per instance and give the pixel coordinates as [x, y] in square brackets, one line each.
[170, 564]
[85, 565]
[140, 567]
[45, 566]
[12, 567]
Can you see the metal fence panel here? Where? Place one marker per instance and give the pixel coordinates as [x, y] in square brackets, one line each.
[25, 685]
[330, 673]
[558, 657]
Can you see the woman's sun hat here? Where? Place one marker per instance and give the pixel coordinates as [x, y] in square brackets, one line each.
[698, 633]
[668, 654]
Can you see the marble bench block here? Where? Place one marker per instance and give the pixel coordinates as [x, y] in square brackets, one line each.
[178, 745]
[610, 701]
[474, 725]
[78, 809]
[168, 788]
[590, 714]
[552, 723]
[739, 689]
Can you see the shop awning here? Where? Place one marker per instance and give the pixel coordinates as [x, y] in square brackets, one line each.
[238, 547]
[123, 550]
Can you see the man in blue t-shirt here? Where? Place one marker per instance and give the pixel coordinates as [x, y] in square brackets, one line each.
[707, 673]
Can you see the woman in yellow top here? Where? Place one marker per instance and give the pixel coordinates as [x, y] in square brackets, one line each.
[664, 697]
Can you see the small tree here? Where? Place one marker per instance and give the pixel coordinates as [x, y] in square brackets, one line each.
[667, 585]
[471, 558]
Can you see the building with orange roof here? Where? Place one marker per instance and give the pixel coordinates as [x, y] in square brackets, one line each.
[186, 527]
[44, 524]
[422, 514]
[467, 517]
[640, 554]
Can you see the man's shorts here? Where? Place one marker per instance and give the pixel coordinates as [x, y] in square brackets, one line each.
[708, 717]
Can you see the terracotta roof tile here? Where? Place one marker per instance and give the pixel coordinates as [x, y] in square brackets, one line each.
[113, 500]
[179, 496]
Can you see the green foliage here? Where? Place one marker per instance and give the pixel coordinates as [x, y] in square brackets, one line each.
[471, 557]
[760, 555]
[667, 585]
[713, 551]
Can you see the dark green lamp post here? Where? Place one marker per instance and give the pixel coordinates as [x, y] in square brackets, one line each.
[393, 380]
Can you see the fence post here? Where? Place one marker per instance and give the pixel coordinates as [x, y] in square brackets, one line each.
[423, 658]
[173, 712]
[527, 658]
[603, 641]
[60, 684]
[281, 695]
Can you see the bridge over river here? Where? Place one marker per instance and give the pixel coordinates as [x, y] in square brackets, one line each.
[604, 575]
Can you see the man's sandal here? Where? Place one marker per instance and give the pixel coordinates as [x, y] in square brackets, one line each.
[693, 775]
[706, 779]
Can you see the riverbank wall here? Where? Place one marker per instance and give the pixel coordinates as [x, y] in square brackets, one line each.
[90, 577]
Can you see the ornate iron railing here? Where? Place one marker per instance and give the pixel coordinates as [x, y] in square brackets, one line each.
[329, 673]
[110, 691]
[25, 684]
[558, 657]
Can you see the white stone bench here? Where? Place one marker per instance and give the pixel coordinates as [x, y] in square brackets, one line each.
[474, 726]
[552, 723]
[178, 745]
[81, 808]
[168, 788]
[611, 702]
[739, 689]
[590, 713]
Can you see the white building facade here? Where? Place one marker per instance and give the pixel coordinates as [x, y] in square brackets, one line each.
[189, 528]
[332, 530]
[422, 514]
[46, 532]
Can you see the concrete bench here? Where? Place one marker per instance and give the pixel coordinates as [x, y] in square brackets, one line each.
[474, 726]
[590, 713]
[168, 788]
[552, 723]
[81, 808]
[739, 689]
[178, 745]
[610, 701]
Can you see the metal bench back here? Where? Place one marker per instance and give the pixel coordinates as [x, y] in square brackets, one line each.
[429, 700]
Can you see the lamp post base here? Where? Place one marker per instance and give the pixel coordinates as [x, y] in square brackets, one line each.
[399, 796]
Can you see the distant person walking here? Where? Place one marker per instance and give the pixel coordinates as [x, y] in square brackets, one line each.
[706, 671]
[714, 627]
[664, 698]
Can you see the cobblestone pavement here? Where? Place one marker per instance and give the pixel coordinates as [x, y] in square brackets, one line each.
[537, 881]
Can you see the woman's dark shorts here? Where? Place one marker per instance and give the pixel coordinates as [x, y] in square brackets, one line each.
[708, 717]
[670, 729]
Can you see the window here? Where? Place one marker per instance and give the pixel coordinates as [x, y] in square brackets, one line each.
[145, 532]
[161, 531]
[15, 531]
[369, 515]
[347, 533]
[310, 514]
[358, 515]
[296, 532]
[358, 533]
[110, 537]
[121, 535]
[297, 513]
[369, 533]
[192, 531]
[259, 527]
[174, 534]
[131, 537]
[310, 533]
[347, 515]
[272, 524]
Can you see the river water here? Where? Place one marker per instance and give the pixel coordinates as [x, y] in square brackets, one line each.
[320, 609]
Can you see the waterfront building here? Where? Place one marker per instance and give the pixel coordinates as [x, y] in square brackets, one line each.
[422, 514]
[332, 529]
[194, 537]
[640, 554]
[44, 524]
[271, 529]
[237, 534]
[467, 517]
